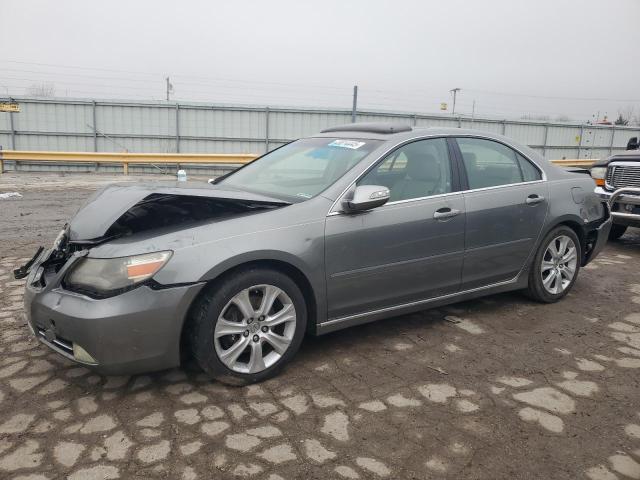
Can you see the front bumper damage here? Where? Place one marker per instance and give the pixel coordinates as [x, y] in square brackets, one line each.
[137, 331]
[624, 203]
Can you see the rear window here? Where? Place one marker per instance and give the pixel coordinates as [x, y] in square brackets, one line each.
[489, 164]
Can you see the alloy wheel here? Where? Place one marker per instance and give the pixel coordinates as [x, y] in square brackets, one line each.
[559, 264]
[255, 329]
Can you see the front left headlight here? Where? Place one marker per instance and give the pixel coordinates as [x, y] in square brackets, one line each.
[105, 276]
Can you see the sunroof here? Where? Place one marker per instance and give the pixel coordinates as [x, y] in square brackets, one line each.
[384, 128]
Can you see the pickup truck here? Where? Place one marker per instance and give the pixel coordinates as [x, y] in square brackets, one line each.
[618, 181]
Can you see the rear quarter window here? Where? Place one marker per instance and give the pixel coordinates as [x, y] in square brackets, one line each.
[530, 172]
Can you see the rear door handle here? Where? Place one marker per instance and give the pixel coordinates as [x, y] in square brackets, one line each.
[445, 213]
[534, 199]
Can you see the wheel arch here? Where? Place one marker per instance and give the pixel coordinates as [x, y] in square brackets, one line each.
[217, 275]
[571, 221]
[574, 223]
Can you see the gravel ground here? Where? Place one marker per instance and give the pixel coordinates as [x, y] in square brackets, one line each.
[489, 389]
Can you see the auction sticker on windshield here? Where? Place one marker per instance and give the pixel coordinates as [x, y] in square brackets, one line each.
[351, 144]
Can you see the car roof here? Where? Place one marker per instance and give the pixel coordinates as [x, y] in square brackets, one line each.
[386, 128]
[397, 132]
[407, 134]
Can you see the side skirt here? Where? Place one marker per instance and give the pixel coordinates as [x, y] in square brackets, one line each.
[334, 324]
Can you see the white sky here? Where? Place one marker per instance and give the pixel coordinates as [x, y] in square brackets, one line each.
[513, 57]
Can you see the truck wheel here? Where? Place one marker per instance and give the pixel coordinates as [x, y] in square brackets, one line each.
[617, 231]
[555, 266]
[247, 327]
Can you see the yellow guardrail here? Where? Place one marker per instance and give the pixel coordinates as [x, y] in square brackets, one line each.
[125, 159]
[574, 163]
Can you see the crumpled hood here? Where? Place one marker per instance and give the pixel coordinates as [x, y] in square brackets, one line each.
[106, 206]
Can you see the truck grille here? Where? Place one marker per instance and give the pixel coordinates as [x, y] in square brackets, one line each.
[619, 176]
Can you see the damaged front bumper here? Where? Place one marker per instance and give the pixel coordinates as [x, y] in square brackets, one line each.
[136, 331]
[131, 330]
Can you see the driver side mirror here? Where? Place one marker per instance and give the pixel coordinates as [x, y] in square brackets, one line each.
[366, 197]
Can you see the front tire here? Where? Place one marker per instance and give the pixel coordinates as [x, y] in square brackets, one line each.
[246, 328]
[555, 266]
[617, 231]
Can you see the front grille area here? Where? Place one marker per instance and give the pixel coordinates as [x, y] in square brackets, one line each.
[619, 176]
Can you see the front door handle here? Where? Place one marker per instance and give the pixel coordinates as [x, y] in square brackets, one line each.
[445, 213]
[534, 199]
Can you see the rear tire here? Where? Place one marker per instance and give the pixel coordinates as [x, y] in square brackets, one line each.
[617, 231]
[555, 266]
[247, 327]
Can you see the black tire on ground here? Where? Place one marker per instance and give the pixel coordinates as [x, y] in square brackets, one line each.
[535, 290]
[617, 231]
[205, 313]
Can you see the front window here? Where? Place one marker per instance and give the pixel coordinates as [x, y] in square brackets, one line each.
[416, 170]
[302, 169]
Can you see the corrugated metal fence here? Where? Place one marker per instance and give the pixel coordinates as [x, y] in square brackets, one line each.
[169, 127]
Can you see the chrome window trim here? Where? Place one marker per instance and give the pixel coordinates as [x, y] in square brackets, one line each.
[417, 199]
[383, 155]
[472, 190]
[408, 200]
[460, 192]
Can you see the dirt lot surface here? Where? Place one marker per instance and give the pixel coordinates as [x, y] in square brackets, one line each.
[498, 388]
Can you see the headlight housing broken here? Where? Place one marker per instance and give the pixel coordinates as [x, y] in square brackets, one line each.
[109, 276]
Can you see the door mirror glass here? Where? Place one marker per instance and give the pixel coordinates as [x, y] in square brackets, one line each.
[366, 197]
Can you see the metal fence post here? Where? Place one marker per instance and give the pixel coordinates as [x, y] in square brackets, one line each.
[95, 127]
[504, 127]
[354, 108]
[177, 128]
[13, 131]
[544, 143]
[613, 135]
[580, 141]
[266, 129]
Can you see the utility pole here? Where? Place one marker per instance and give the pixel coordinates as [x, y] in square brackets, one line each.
[473, 111]
[454, 91]
[169, 87]
[355, 104]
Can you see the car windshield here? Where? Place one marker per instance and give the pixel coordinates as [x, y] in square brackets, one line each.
[302, 169]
